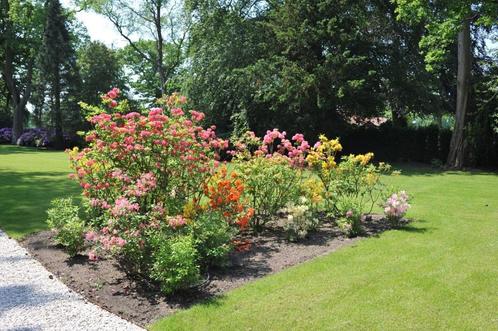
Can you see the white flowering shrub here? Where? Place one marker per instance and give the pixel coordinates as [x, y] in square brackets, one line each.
[396, 206]
[299, 219]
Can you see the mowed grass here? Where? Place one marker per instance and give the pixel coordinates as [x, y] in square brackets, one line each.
[29, 180]
[440, 273]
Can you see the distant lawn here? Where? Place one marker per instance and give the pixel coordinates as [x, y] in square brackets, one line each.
[29, 180]
[440, 273]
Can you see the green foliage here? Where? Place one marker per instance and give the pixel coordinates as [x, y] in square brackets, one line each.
[212, 237]
[270, 183]
[443, 21]
[303, 66]
[58, 63]
[350, 222]
[63, 218]
[175, 263]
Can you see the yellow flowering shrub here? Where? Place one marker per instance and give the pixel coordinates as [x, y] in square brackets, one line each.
[352, 185]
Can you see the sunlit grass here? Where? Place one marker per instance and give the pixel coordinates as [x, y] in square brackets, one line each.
[29, 180]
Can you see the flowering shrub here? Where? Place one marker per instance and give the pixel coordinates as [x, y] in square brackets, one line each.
[321, 159]
[35, 137]
[299, 220]
[272, 171]
[270, 183]
[350, 222]
[5, 135]
[154, 191]
[225, 195]
[396, 207]
[353, 183]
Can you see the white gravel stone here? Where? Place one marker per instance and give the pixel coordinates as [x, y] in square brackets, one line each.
[30, 299]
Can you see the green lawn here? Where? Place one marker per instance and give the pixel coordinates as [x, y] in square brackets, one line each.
[441, 273]
[29, 180]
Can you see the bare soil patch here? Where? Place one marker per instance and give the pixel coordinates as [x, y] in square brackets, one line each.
[105, 284]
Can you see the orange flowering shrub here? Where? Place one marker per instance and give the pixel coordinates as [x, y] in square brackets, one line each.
[224, 192]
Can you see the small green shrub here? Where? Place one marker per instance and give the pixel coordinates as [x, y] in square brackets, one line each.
[350, 222]
[175, 263]
[63, 218]
[212, 238]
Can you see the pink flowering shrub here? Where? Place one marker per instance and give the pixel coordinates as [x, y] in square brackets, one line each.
[396, 207]
[143, 176]
[272, 170]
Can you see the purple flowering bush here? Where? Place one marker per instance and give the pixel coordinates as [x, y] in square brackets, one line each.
[5, 135]
[34, 137]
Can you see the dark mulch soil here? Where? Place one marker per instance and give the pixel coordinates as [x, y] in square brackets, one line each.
[105, 284]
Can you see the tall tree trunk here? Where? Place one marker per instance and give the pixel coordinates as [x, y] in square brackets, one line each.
[58, 139]
[456, 154]
[19, 98]
[159, 47]
[18, 101]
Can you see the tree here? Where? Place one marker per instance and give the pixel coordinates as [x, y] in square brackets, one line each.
[303, 65]
[100, 70]
[161, 21]
[20, 34]
[446, 21]
[59, 64]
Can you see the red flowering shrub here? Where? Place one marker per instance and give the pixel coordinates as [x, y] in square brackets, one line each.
[144, 176]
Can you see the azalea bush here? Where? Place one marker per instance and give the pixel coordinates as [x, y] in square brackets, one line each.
[396, 206]
[351, 187]
[34, 137]
[156, 195]
[299, 219]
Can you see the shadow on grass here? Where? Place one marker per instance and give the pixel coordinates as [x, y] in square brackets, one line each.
[25, 197]
[422, 169]
[14, 149]
[412, 226]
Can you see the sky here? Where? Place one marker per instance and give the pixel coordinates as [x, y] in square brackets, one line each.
[99, 28]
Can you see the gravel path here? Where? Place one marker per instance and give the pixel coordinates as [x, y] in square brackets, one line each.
[33, 299]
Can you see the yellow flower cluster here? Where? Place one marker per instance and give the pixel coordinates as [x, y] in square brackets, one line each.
[190, 210]
[313, 189]
[372, 178]
[363, 159]
[324, 154]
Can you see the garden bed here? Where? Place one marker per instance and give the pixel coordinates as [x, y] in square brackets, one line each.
[105, 284]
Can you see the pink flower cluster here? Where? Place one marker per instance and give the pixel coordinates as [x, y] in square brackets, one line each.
[109, 97]
[105, 240]
[275, 142]
[397, 205]
[123, 206]
[144, 184]
[176, 221]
